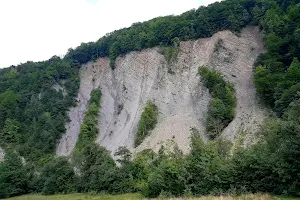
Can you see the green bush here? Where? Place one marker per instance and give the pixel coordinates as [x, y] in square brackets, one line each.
[170, 53]
[13, 176]
[57, 176]
[96, 168]
[147, 122]
[221, 108]
[286, 98]
[89, 127]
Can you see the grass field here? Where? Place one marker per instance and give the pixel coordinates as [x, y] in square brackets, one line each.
[138, 197]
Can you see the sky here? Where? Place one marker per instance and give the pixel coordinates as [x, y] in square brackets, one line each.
[35, 30]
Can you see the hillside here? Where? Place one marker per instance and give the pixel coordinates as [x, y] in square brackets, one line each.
[203, 103]
[181, 98]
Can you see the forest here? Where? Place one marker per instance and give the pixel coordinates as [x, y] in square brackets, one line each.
[35, 98]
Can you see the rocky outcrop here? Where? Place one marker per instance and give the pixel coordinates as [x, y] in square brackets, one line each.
[1, 154]
[181, 98]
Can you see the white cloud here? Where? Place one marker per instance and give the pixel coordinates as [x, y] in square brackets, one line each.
[38, 29]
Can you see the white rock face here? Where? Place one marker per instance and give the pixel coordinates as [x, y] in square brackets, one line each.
[181, 98]
[60, 87]
[1, 154]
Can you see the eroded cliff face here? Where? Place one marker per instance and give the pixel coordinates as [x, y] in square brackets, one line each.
[1, 154]
[181, 98]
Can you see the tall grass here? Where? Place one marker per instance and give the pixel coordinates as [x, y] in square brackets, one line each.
[137, 196]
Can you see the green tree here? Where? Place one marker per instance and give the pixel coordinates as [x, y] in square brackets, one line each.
[167, 175]
[10, 132]
[13, 176]
[89, 127]
[221, 108]
[96, 168]
[124, 155]
[57, 176]
[293, 73]
[147, 122]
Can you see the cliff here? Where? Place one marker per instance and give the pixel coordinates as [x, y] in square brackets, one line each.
[181, 98]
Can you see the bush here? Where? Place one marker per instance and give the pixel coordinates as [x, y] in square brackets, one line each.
[221, 108]
[147, 122]
[57, 176]
[13, 176]
[95, 167]
[286, 98]
[89, 127]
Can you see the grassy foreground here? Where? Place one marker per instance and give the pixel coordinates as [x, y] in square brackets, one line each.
[138, 196]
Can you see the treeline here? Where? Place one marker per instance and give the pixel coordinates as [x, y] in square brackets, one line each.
[194, 24]
[34, 98]
[277, 76]
[271, 165]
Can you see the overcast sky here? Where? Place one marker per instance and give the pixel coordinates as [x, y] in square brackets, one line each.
[35, 30]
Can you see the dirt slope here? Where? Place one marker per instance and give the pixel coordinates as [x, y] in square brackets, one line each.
[181, 97]
[1, 154]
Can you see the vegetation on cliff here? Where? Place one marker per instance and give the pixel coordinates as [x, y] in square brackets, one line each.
[147, 122]
[161, 31]
[221, 109]
[34, 100]
[89, 127]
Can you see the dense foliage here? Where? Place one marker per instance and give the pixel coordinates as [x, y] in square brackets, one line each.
[56, 176]
[96, 169]
[221, 109]
[147, 122]
[203, 22]
[13, 176]
[271, 165]
[277, 76]
[34, 98]
[89, 127]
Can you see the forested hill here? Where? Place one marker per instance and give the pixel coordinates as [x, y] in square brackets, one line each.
[35, 98]
[200, 23]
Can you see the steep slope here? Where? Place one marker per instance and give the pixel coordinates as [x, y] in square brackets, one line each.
[1, 154]
[181, 98]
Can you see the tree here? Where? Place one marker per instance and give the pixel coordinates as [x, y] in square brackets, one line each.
[293, 73]
[10, 132]
[13, 176]
[57, 176]
[147, 122]
[96, 168]
[206, 172]
[124, 155]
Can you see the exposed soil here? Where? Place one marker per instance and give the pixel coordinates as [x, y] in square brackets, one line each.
[1, 154]
[181, 98]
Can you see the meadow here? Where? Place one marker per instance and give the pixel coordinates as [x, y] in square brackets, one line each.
[137, 196]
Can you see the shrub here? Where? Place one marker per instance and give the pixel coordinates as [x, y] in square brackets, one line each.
[89, 127]
[147, 122]
[13, 176]
[221, 108]
[170, 53]
[57, 176]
